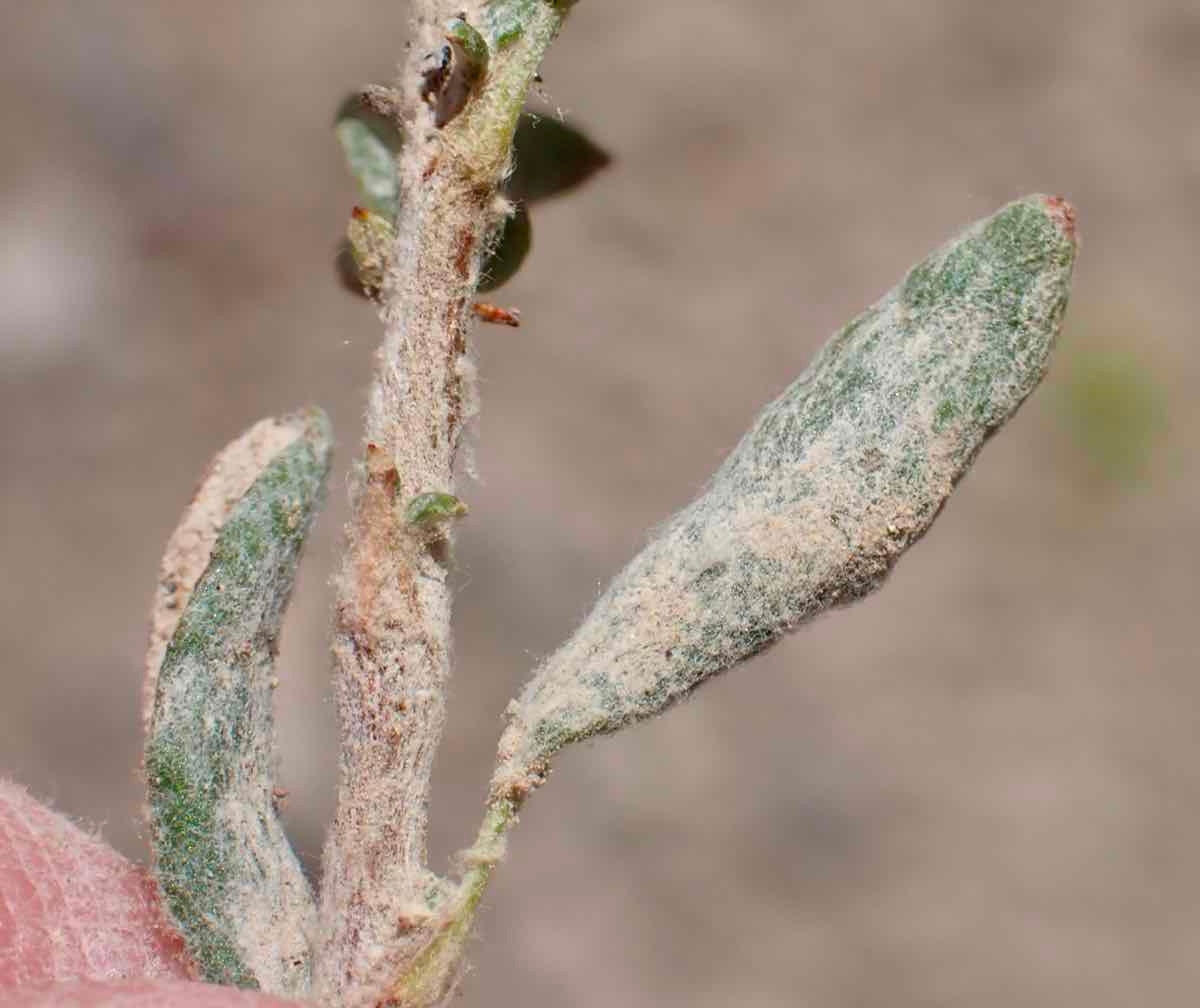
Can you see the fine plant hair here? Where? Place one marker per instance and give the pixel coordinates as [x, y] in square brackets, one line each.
[831, 484]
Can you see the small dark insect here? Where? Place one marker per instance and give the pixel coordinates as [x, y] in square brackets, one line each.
[456, 72]
[433, 78]
[497, 315]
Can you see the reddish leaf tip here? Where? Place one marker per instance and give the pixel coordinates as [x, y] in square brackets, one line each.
[1063, 214]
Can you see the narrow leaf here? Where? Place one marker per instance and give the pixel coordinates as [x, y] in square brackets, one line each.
[371, 237]
[370, 142]
[227, 874]
[833, 482]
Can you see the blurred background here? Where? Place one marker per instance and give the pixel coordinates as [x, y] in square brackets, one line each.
[981, 786]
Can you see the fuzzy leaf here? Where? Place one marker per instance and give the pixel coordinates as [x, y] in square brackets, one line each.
[223, 864]
[370, 142]
[371, 238]
[833, 482]
[550, 157]
[509, 252]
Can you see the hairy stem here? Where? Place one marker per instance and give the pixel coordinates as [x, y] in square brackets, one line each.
[432, 973]
[380, 906]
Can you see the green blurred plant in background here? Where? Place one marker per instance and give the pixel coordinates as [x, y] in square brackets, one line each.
[1113, 407]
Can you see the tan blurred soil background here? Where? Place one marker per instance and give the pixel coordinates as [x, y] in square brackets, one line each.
[980, 787]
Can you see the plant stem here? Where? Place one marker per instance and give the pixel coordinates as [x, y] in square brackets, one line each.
[380, 904]
[433, 972]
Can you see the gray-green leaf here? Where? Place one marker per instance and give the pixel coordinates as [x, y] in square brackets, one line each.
[222, 862]
[370, 142]
[832, 483]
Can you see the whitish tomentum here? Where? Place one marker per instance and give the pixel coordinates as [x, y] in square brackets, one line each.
[226, 871]
[835, 479]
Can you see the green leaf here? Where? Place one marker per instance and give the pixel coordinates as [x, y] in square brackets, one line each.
[550, 158]
[370, 142]
[221, 859]
[509, 252]
[837, 477]
[371, 238]
[428, 509]
[471, 46]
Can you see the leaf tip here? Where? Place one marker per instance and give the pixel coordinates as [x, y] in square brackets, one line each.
[1064, 215]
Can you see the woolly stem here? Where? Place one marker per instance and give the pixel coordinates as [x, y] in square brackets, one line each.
[391, 647]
